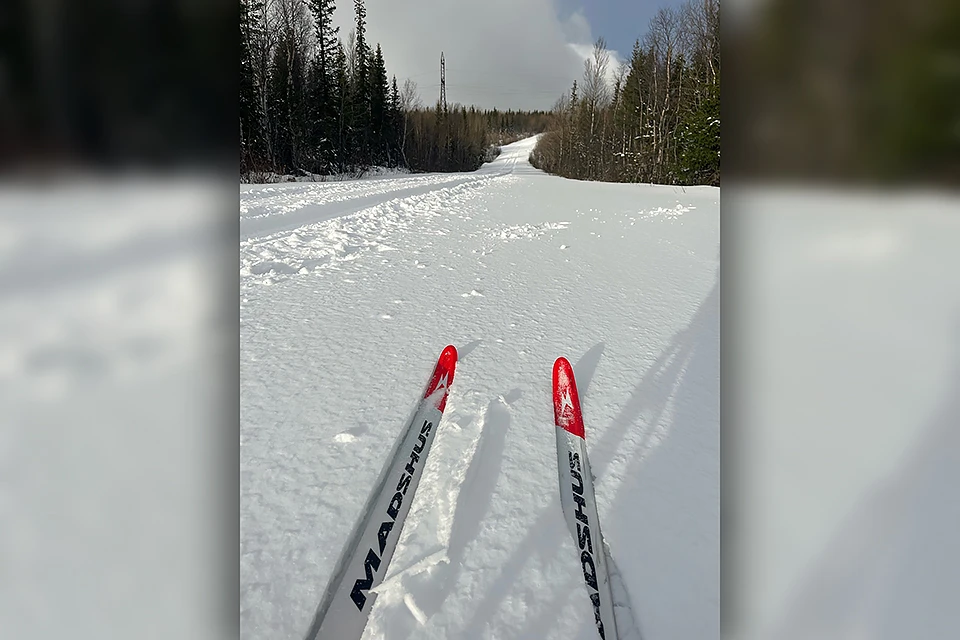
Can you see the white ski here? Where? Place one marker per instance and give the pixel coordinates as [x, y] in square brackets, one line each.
[577, 498]
[350, 594]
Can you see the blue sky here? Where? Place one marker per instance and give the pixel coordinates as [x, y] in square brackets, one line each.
[620, 22]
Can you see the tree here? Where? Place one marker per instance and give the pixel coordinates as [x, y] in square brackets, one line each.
[660, 120]
[361, 117]
[379, 108]
[251, 139]
[310, 104]
[323, 94]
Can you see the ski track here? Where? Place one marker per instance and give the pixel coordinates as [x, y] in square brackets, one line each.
[368, 281]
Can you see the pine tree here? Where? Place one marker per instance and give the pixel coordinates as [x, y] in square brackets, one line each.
[699, 141]
[360, 100]
[324, 106]
[341, 98]
[663, 123]
[395, 126]
[379, 114]
[251, 145]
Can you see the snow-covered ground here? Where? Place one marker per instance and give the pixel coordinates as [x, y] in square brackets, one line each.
[114, 337]
[350, 290]
[841, 413]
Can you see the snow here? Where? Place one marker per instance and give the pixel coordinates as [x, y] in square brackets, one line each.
[843, 411]
[111, 355]
[350, 290]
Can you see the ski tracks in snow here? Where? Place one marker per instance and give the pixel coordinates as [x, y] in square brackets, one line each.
[350, 230]
[460, 482]
[303, 228]
[448, 534]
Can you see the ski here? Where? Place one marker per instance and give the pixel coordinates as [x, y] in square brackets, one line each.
[577, 497]
[351, 592]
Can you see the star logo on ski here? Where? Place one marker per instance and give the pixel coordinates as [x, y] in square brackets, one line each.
[565, 402]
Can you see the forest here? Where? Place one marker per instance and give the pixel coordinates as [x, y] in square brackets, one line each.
[659, 122]
[313, 104]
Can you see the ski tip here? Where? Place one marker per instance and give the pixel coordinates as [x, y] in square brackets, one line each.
[566, 400]
[449, 353]
[442, 376]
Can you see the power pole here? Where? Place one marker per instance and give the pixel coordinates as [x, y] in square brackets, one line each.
[443, 83]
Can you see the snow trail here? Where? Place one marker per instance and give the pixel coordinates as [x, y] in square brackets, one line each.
[349, 292]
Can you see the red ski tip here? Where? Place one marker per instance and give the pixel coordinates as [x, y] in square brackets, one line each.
[566, 401]
[442, 376]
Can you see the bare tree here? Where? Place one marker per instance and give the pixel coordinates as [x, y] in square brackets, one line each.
[656, 119]
[596, 97]
[409, 101]
[663, 39]
[351, 50]
[596, 92]
[700, 34]
[410, 96]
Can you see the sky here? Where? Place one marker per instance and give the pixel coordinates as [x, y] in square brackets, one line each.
[519, 54]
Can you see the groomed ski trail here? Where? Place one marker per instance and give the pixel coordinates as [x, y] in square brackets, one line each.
[340, 317]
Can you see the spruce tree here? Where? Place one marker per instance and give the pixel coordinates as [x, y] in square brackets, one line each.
[251, 146]
[360, 100]
[323, 99]
[379, 114]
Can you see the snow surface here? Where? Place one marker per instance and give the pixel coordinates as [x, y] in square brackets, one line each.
[844, 365]
[113, 344]
[349, 291]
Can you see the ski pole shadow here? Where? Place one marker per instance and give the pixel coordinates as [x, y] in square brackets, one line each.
[467, 349]
[889, 569]
[586, 367]
[669, 500]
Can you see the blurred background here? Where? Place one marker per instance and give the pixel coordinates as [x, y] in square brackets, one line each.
[858, 91]
[119, 415]
[840, 319]
[840, 305]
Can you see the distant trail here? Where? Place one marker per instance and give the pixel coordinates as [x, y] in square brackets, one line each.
[270, 209]
[295, 228]
[293, 208]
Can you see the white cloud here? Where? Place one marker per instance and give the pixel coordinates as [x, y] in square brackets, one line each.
[585, 52]
[577, 29]
[499, 53]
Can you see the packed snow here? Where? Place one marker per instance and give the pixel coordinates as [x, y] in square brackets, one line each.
[350, 290]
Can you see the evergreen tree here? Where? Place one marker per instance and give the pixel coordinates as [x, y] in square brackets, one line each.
[379, 108]
[699, 161]
[341, 98]
[663, 121]
[360, 100]
[395, 124]
[323, 94]
[251, 146]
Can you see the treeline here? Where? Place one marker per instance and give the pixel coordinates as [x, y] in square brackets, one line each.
[660, 120]
[461, 139]
[311, 104]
